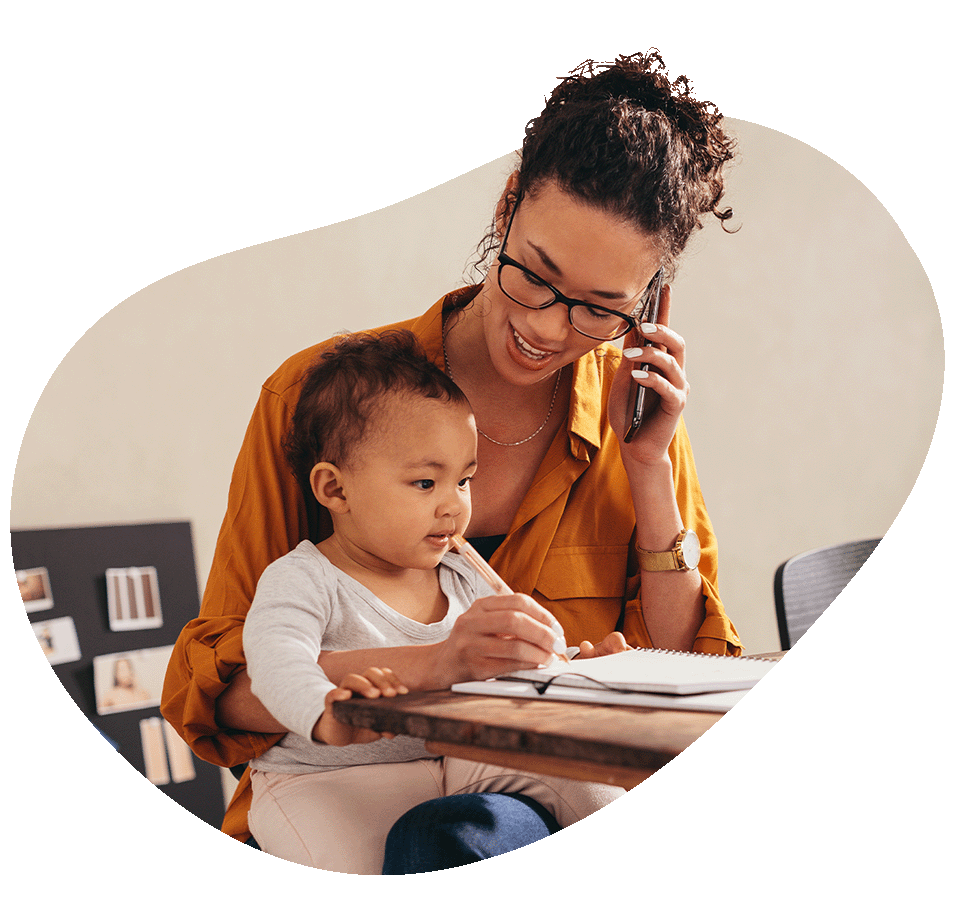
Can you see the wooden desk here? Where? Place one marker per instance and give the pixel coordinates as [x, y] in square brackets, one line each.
[619, 745]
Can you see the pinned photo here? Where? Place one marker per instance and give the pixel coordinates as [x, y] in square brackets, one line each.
[35, 589]
[58, 639]
[131, 680]
[132, 595]
[168, 759]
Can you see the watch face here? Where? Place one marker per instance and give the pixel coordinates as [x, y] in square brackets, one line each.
[691, 549]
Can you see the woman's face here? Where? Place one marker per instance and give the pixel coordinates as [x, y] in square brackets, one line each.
[586, 254]
[123, 673]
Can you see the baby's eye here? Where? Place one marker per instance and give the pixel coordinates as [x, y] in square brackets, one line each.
[425, 484]
[464, 482]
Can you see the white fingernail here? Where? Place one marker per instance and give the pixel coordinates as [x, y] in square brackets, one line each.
[559, 646]
[632, 352]
[638, 373]
[648, 328]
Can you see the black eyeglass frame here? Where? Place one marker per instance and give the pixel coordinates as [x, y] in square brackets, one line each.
[504, 259]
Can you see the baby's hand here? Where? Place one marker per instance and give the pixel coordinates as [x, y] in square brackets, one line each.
[373, 683]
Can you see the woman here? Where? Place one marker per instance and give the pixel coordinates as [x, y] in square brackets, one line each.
[614, 176]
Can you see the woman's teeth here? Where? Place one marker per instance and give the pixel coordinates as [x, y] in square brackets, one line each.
[528, 349]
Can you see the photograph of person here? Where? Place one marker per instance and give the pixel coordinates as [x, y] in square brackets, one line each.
[131, 680]
[58, 639]
[35, 589]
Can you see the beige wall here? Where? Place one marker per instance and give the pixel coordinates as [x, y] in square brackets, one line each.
[803, 432]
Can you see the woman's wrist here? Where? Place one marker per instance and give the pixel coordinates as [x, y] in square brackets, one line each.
[445, 666]
[645, 474]
[656, 507]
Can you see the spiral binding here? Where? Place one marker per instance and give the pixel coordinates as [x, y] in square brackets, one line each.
[666, 652]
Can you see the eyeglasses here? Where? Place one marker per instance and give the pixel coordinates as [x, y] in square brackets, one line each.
[527, 289]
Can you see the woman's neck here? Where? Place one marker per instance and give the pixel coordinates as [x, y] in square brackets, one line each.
[470, 365]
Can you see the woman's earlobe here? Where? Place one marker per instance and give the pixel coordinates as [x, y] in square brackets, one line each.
[327, 486]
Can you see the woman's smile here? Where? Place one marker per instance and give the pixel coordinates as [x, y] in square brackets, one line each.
[526, 354]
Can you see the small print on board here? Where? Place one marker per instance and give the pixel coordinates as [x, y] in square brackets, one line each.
[35, 589]
[58, 639]
[132, 595]
[131, 680]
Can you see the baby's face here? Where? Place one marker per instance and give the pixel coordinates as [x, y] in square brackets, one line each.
[408, 487]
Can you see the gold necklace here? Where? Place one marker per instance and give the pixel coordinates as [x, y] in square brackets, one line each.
[552, 402]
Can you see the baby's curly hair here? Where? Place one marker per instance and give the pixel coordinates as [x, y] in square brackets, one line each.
[347, 385]
[625, 138]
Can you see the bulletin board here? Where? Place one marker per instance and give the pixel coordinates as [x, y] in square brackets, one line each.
[107, 603]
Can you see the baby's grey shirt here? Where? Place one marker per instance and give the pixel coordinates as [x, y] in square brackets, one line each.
[305, 605]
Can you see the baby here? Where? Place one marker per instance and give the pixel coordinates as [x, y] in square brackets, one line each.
[387, 443]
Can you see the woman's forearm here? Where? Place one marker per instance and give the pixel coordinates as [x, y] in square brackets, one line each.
[237, 708]
[417, 667]
[672, 602]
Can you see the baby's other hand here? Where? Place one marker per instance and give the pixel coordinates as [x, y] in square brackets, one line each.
[374, 682]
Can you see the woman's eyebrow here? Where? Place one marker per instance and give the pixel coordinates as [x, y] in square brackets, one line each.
[551, 265]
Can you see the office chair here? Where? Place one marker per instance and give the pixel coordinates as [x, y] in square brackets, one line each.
[807, 584]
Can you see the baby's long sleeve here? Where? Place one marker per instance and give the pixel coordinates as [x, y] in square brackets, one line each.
[282, 639]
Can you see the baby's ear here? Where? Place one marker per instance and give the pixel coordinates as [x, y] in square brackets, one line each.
[328, 487]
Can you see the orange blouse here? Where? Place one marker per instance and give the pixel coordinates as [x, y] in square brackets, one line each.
[571, 545]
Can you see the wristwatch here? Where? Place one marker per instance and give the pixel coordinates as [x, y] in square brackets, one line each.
[683, 556]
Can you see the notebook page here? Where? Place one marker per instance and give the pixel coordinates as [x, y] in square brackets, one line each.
[652, 670]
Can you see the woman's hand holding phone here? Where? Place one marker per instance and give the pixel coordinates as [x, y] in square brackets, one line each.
[658, 367]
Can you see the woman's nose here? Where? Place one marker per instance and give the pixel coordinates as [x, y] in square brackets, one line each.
[551, 324]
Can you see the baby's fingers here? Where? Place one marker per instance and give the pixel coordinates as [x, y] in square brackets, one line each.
[339, 693]
[374, 682]
[385, 681]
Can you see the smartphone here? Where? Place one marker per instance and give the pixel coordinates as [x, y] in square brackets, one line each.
[636, 407]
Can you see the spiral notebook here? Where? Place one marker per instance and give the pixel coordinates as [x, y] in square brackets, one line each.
[639, 677]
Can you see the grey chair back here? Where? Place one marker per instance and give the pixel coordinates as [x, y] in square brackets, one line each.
[807, 584]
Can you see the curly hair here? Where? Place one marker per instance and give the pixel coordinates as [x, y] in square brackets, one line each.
[623, 137]
[346, 386]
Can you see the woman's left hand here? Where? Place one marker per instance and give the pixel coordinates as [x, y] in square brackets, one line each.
[666, 387]
[611, 643]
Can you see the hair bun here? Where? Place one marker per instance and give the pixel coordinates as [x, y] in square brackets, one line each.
[625, 136]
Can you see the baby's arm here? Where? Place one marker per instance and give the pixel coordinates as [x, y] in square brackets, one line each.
[374, 682]
[282, 637]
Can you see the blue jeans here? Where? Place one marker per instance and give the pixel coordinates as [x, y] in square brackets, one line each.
[463, 828]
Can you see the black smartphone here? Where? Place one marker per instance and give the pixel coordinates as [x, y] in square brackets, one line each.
[636, 407]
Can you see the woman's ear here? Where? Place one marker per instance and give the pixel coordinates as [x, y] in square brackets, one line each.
[503, 207]
[327, 486]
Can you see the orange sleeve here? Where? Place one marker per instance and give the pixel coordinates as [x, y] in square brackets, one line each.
[265, 518]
